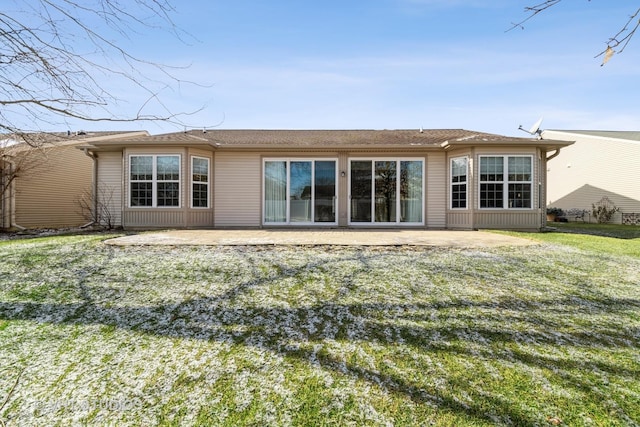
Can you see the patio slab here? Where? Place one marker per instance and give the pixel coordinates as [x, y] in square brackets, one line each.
[466, 239]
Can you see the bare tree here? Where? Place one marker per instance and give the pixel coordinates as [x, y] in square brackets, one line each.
[619, 41]
[56, 55]
[98, 208]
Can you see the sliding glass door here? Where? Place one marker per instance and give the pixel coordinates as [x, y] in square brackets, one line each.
[386, 191]
[299, 191]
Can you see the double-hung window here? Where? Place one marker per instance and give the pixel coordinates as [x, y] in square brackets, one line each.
[154, 180]
[459, 167]
[506, 182]
[199, 182]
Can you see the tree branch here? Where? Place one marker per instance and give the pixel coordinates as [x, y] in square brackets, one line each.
[533, 11]
[621, 39]
[47, 72]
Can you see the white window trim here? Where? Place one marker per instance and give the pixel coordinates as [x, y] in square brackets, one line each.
[154, 181]
[192, 182]
[505, 181]
[288, 161]
[451, 184]
[397, 222]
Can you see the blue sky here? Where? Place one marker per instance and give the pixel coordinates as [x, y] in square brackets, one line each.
[392, 64]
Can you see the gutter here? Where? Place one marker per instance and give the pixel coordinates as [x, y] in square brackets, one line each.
[94, 190]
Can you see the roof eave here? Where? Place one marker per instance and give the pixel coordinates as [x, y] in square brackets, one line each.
[548, 145]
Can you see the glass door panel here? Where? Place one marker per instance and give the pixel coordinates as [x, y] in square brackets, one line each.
[275, 191]
[325, 191]
[385, 182]
[361, 176]
[411, 191]
[300, 192]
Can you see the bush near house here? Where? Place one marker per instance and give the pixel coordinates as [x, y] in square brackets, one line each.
[604, 210]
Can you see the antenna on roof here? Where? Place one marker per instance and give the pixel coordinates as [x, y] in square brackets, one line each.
[535, 129]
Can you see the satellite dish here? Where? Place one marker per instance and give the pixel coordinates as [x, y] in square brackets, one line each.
[535, 129]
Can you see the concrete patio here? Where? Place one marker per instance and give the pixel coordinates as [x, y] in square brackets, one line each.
[435, 238]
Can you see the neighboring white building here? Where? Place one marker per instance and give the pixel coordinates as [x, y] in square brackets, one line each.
[599, 164]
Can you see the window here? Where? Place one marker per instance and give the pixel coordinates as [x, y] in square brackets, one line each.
[459, 167]
[386, 191]
[141, 180]
[299, 191]
[506, 182]
[154, 181]
[199, 182]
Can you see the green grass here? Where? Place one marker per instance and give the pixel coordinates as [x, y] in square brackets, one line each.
[609, 239]
[97, 335]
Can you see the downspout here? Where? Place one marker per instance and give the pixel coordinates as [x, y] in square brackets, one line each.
[94, 190]
[554, 154]
[472, 198]
[546, 182]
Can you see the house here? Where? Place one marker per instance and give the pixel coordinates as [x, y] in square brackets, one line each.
[599, 164]
[42, 181]
[440, 179]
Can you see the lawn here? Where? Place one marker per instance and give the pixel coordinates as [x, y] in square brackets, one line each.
[92, 334]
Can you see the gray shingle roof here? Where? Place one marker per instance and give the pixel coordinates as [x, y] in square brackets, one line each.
[64, 138]
[323, 138]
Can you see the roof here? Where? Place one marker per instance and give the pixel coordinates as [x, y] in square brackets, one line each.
[610, 134]
[260, 138]
[29, 140]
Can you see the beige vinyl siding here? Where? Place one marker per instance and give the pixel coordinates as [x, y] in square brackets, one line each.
[237, 188]
[47, 195]
[593, 168]
[436, 190]
[507, 220]
[110, 180]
